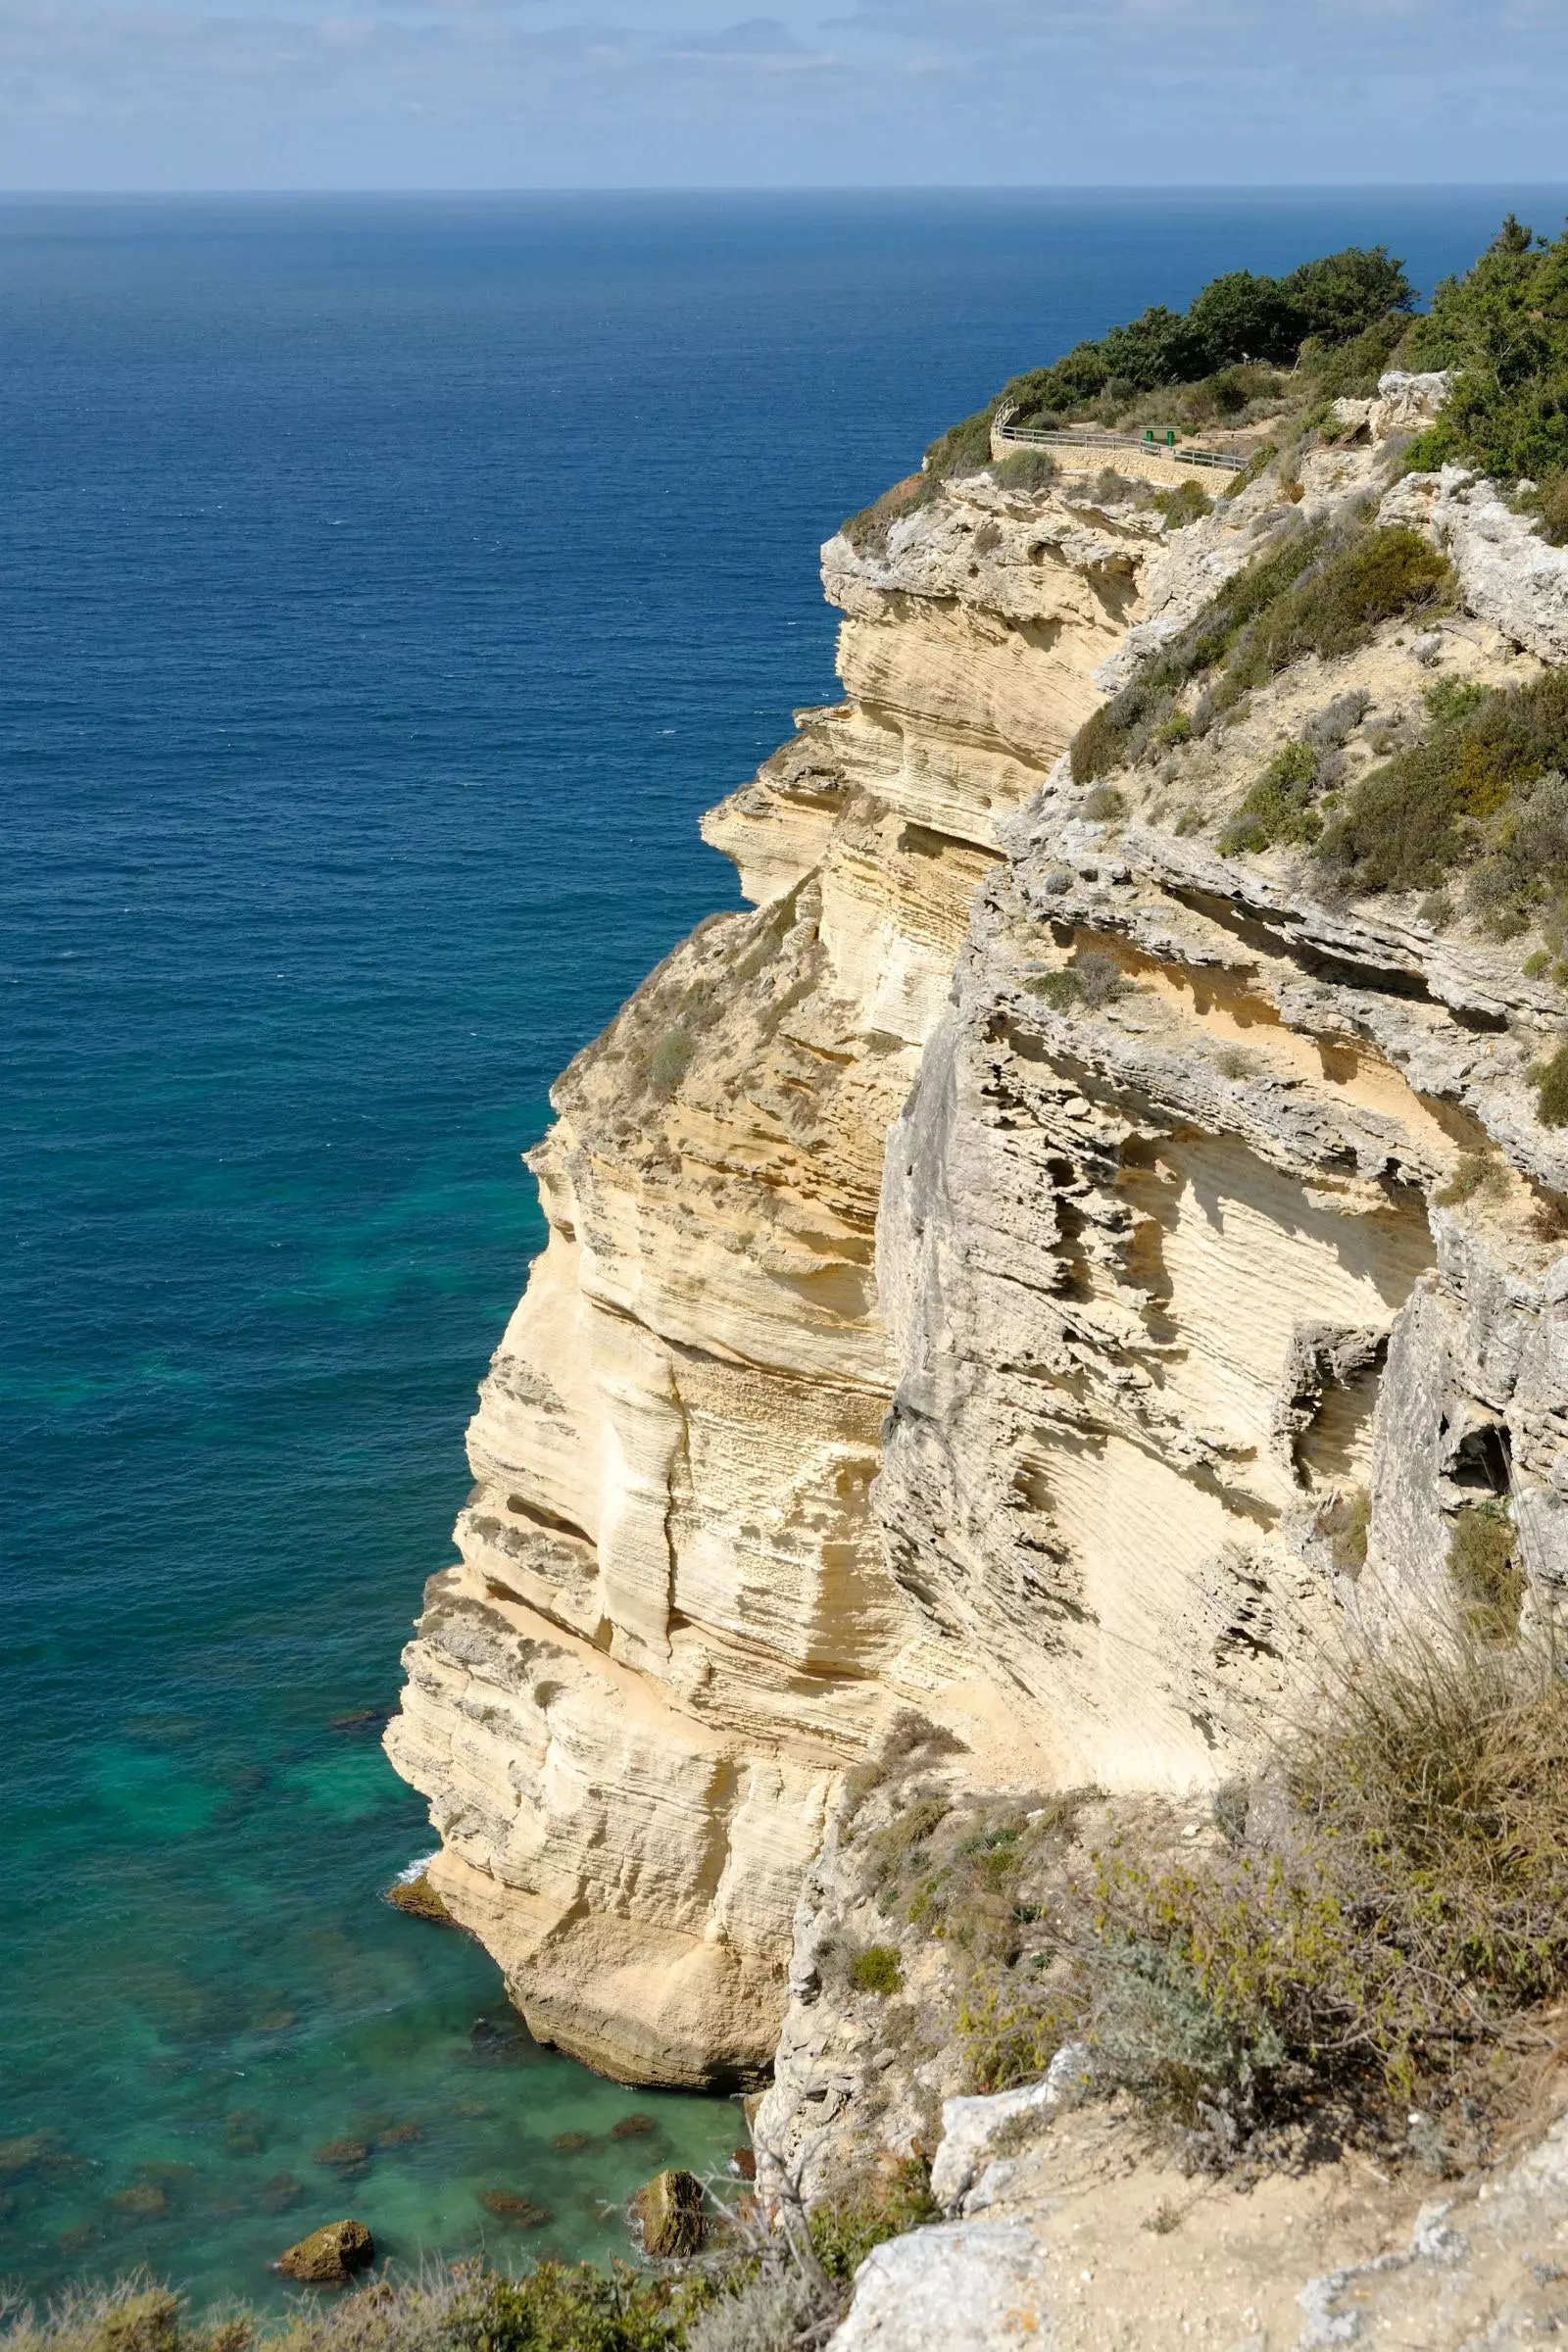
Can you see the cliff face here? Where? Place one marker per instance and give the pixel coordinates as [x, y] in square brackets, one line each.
[675, 1619]
[1148, 1351]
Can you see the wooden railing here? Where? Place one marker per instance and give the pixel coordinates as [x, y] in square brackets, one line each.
[1032, 437]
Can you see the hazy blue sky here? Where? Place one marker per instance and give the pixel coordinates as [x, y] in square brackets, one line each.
[518, 93]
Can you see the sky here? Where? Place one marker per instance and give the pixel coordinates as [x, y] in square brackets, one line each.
[199, 94]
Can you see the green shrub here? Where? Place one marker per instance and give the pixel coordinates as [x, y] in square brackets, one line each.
[867, 531]
[671, 1060]
[1183, 504]
[1012, 2030]
[1236, 320]
[1449, 802]
[1477, 1172]
[1504, 329]
[1026, 469]
[1279, 806]
[1104, 801]
[555, 2307]
[1121, 729]
[1552, 505]
[1550, 1081]
[1090, 977]
[845, 2232]
[1421, 1900]
[1486, 1573]
[877, 1969]
[1374, 576]
[965, 448]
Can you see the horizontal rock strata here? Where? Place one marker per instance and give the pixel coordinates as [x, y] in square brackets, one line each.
[675, 1618]
[919, 1326]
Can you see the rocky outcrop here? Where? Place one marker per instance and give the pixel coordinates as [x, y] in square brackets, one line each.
[924, 1322]
[674, 1620]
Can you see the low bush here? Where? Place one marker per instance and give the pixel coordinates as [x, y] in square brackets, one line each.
[1183, 504]
[1026, 469]
[1279, 807]
[1486, 1573]
[1089, 978]
[1104, 801]
[1121, 729]
[876, 1969]
[1333, 608]
[867, 531]
[671, 1060]
[1552, 505]
[1477, 1172]
[1550, 1081]
[1418, 1902]
[555, 2307]
[1461, 798]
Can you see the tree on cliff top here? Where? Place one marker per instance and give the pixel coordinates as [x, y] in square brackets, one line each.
[1237, 319]
[1504, 329]
[1354, 304]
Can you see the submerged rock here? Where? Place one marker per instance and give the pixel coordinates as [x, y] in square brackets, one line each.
[633, 2126]
[280, 2193]
[329, 2256]
[343, 2155]
[669, 2214]
[517, 2212]
[569, 2143]
[148, 2199]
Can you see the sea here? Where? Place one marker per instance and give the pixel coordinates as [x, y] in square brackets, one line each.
[386, 585]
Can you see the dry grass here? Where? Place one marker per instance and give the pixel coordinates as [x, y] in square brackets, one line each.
[1414, 1905]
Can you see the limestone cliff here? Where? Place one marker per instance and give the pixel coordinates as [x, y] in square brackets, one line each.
[1003, 1272]
[675, 1619]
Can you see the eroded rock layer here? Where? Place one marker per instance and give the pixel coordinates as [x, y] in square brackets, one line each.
[675, 1618]
[1018, 1269]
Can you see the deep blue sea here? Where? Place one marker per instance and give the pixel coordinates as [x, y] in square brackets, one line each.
[385, 586]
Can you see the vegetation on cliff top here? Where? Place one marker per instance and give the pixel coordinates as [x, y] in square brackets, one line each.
[1503, 329]
[1333, 324]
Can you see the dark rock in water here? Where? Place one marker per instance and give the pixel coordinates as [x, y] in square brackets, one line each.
[78, 2239]
[245, 2131]
[743, 2164]
[633, 2126]
[669, 2214]
[570, 2142]
[329, 2257]
[342, 2155]
[34, 2151]
[398, 2136]
[517, 2212]
[498, 2042]
[418, 1898]
[360, 1719]
[148, 2199]
[281, 2193]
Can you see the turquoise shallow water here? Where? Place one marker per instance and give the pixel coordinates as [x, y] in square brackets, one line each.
[384, 589]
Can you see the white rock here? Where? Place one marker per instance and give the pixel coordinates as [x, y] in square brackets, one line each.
[962, 2286]
[968, 2126]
